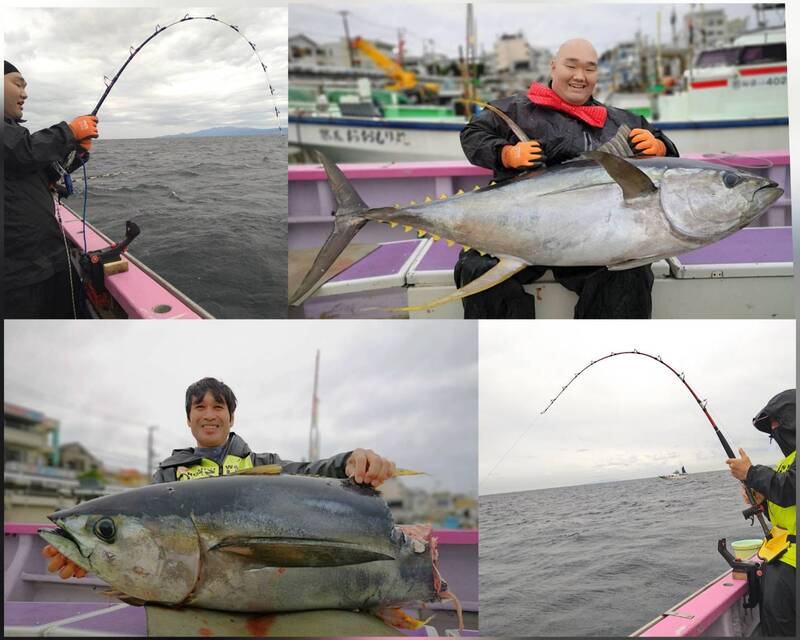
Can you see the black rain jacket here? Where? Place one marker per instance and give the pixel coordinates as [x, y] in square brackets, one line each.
[562, 136]
[329, 467]
[34, 246]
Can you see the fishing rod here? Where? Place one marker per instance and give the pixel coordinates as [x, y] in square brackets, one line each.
[159, 29]
[755, 510]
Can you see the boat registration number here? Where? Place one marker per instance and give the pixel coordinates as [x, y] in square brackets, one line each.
[759, 81]
[355, 135]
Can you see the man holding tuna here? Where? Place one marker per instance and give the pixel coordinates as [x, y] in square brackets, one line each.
[210, 406]
[562, 121]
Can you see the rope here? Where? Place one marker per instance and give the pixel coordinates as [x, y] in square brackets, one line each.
[133, 51]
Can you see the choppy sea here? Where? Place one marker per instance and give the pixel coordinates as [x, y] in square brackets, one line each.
[602, 559]
[212, 213]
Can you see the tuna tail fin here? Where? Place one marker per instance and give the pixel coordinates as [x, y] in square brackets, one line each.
[347, 222]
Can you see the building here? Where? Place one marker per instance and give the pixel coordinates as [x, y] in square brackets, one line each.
[29, 437]
[76, 457]
[710, 28]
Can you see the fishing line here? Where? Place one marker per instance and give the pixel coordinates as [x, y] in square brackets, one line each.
[513, 445]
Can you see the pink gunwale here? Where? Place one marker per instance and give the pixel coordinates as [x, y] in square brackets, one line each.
[136, 292]
[705, 607]
[364, 171]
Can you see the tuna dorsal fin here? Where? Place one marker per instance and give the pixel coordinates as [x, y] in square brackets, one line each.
[618, 145]
[299, 552]
[511, 124]
[634, 181]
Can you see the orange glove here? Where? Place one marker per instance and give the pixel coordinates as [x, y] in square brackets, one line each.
[646, 144]
[66, 568]
[84, 128]
[522, 154]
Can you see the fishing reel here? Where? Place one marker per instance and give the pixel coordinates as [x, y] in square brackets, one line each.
[753, 570]
[96, 265]
[751, 512]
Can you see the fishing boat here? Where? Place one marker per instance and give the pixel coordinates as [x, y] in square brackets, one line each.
[39, 603]
[747, 275]
[121, 286]
[734, 98]
[676, 475]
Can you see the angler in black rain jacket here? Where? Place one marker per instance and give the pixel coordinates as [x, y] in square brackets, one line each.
[35, 274]
[563, 135]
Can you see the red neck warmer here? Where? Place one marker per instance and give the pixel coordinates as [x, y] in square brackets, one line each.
[594, 115]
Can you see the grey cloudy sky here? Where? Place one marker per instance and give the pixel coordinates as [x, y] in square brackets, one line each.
[406, 390]
[626, 417]
[193, 76]
[545, 24]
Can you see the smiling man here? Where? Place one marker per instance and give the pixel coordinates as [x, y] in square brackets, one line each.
[37, 279]
[210, 407]
[563, 121]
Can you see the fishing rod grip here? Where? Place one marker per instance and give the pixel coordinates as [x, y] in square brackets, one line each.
[725, 444]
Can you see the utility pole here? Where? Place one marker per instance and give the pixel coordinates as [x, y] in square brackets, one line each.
[401, 47]
[347, 37]
[313, 437]
[151, 454]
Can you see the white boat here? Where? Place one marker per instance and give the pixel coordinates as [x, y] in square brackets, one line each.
[733, 99]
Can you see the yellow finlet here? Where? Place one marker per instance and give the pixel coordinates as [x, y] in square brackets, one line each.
[435, 238]
[492, 183]
[460, 192]
[476, 188]
[396, 205]
[412, 203]
[428, 199]
[483, 253]
[421, 232]
[407, 228]
[442, 196]
[261, 470]
[392, 224]
[466, 248]
[450, 243]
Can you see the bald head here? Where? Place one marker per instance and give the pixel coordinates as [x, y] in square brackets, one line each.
[574, 71]
[577, 48]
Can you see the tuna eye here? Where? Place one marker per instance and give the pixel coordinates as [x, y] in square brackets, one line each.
[731, 180]
[105, 529]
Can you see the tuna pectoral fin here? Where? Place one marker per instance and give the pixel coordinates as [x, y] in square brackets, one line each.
[634, 181]
[503, 270]
[632, 264]
[295, 552]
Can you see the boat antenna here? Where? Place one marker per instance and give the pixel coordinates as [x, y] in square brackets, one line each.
[755, 510]
[186, 18]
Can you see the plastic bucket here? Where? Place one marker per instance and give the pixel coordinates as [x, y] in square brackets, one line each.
[744, 549]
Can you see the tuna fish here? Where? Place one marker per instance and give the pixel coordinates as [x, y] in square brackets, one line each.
[252, 543]
[603, 209]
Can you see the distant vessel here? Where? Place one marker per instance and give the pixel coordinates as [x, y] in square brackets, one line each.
[676, 475]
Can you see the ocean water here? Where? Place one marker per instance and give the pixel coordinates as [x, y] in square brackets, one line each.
[212, 213]
[602, 559]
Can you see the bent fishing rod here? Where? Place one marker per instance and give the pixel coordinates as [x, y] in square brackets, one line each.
[755, 510]
[159, 29]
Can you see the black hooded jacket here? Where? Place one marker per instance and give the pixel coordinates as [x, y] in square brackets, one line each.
[33, 243]
[778, 488]
[562, 136]
[330, 467]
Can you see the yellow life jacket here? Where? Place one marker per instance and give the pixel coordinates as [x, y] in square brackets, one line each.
[785, 517]
[207, 468]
